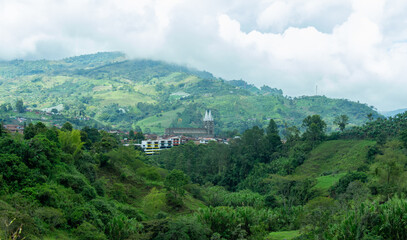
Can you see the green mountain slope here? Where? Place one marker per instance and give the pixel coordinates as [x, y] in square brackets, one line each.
[335, 156]
[154, 95]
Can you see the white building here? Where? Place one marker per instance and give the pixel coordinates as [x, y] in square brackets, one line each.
[151, 147]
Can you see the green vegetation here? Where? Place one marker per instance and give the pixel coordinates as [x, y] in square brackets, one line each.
[82, 183]
[285, 235]
[108, 91]
[326, 182]
[335, 155]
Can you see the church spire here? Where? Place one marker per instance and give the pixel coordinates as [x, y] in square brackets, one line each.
[208, 116]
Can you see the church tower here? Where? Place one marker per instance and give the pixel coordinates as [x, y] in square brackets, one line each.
[209, 124]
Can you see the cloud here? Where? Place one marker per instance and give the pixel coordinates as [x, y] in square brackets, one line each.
[353, 49]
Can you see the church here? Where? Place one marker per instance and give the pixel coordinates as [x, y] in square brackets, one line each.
[208, 129]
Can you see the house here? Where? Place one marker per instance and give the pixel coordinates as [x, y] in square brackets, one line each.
[14, 128]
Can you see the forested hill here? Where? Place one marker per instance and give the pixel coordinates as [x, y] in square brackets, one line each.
[115, 91]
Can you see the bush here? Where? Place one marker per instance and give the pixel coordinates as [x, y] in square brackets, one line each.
[244, 198]
[106, 210]
[271, 201]
[76, 182]
[87, 231]
[195, 190]
[99, 186]
[184, 228]
[54, 218]
[173, 201]
[85, 165]
[120, 227]
[154, 202]
[15, 175]
[131, 212]
[119, 192]
[344, 182]
[222, 220]
[150, 173]
[88, 192]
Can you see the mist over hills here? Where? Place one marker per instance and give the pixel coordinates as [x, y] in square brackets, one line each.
[122, 93]
[394, 112]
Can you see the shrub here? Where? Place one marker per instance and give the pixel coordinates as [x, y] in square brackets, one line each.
[344, 181]
[53, 217]
[99, 186]
[119, 192]
[15, 175]
[87, 231]
[371, 220]
[154, 202]
[106, 210]
[222, 220]
[184, 228]
[150, 173]
[120, 227]
[75, 182]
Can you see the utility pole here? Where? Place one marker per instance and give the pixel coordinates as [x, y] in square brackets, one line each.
[316, 90]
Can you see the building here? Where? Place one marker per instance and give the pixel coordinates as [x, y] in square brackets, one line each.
[208, 129]
[14, 128]
[151, 147]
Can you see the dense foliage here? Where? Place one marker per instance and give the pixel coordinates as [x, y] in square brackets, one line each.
[72, 183]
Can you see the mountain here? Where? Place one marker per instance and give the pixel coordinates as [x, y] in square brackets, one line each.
[109, 89]
[394, 112]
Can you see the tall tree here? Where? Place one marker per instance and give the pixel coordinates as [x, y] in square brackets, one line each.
[131, 134]
[315, 129]
[341, 121]
[20, 106]
[273, 139]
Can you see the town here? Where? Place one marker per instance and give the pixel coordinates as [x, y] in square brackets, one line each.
[152, 143]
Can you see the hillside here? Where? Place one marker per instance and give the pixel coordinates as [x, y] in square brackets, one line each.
[122, 93]
[335, 156]
[84, 184]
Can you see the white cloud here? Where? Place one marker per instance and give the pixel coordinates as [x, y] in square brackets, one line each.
[353, 49]
[275, 16]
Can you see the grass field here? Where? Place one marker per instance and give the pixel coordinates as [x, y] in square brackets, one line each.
[335, 156]
[164, 121]
[122, 98]
[284, 235]
[325, 182]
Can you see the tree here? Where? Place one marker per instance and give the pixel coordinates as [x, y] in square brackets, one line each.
[31, 130]
[341, 121]
[403, 138]
[273, 139]
[70, 141]
[139, 136]
[3, 107]
[67, 127]
[175, 181]
[2, 130]
[272, 128]
[131, 135]
[315, 129]
[92, 134]
[20, 106]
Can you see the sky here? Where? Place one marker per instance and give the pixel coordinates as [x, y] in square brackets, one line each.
[354, 49]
